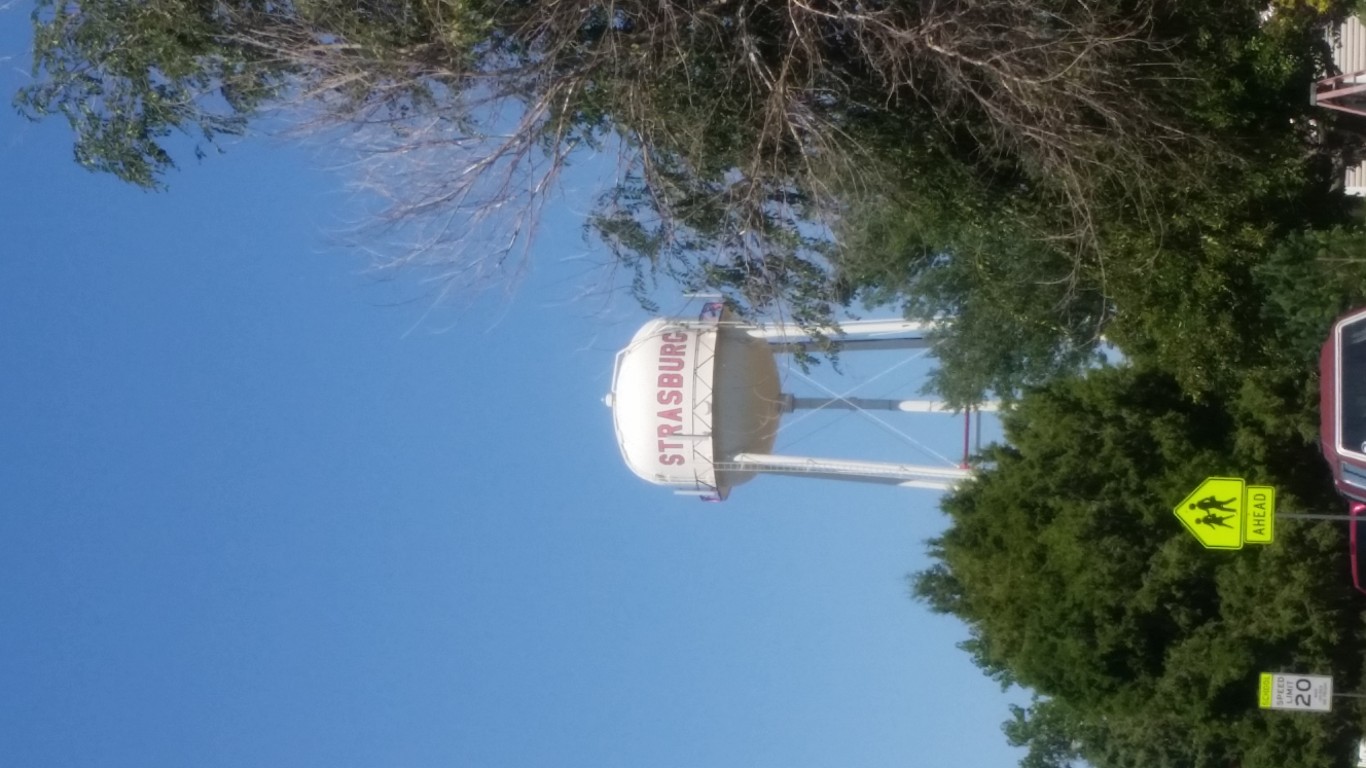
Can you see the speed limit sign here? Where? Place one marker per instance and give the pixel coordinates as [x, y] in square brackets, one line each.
[1306, 693]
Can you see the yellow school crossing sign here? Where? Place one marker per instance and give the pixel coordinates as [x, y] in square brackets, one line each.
[1226, 512]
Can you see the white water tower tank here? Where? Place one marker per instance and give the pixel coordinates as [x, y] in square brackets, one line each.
[690, 394]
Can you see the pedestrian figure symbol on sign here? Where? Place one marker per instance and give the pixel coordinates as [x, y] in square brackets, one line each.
[1210, 503]
[1213, 520]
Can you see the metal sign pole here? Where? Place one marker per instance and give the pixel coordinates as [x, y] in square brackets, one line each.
[1311, 516]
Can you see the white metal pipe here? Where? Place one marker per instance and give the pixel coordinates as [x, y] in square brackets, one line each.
[928, 485]
[878, 404]
[872, 471]
[849, 330]
[853, 345]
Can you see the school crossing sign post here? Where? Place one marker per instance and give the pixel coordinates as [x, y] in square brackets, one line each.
[1226, 513]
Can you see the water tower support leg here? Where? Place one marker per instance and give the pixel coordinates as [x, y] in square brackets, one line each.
[853, 335]
[909, 475]
[876, 404]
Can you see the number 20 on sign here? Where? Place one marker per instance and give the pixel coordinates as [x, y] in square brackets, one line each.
[1305, 693]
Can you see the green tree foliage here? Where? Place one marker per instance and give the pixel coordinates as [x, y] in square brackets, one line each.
[1076, 581]
[757, 138]
[128, 75]
[1167, 268]
[1017, 309]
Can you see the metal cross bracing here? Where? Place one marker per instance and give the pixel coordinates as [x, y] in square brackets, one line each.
[860, 336]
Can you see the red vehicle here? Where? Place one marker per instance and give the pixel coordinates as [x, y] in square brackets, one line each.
[1342, 423]
[1342, 404]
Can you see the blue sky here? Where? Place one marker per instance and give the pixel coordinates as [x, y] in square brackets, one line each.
[258, 508]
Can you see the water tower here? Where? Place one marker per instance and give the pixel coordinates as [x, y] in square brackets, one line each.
[697, 403]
